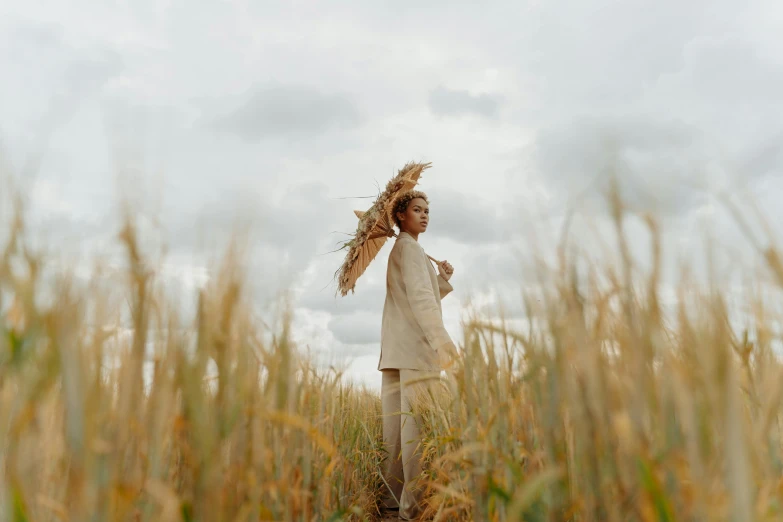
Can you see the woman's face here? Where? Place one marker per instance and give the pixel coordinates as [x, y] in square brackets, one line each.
[416, 216]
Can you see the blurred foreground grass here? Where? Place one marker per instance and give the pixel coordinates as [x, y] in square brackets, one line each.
[600, 410]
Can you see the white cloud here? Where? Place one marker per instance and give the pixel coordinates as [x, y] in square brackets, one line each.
[273, 112]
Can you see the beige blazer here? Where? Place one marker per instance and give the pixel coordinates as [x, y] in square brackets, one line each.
[412, 329]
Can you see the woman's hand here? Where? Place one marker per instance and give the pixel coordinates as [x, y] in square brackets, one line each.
[447, 356]
[445, 270]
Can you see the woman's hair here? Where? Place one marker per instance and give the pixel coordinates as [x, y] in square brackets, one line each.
[401, 204]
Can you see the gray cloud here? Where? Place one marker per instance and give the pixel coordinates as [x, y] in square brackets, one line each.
[291, 111]
[454, 102]
[685, 112]
[719, 70]
[320, 296]
[497, 264]
[765, 158]
[283, 235]
[298, 218]
[583, 57]
[88, 73]
[501, 301]
[66, 77]
[465, 218]
[661, 165]
[358, 328]
[29, 35]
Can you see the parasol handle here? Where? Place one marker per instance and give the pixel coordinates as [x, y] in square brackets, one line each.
[436, 261]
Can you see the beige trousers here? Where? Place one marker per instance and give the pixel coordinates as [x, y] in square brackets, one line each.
[401, 438]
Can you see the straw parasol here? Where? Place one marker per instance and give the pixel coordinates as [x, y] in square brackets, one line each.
[375, 227]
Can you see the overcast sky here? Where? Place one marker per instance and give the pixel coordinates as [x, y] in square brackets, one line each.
[212, 113]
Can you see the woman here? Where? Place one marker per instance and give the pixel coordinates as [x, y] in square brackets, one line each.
[414, 346]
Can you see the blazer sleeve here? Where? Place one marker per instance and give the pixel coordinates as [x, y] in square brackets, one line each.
[444, 287]
[421, 298]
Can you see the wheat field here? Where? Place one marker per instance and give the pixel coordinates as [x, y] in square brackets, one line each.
[605, 408]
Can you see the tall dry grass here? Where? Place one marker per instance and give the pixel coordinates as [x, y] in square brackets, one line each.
[265, 437]
[605, 408]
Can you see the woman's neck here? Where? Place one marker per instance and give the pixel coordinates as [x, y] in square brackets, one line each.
[414, 236]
